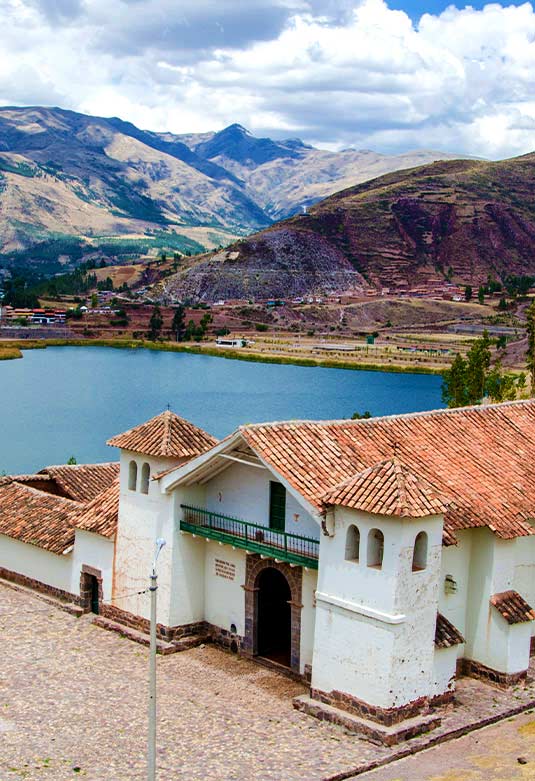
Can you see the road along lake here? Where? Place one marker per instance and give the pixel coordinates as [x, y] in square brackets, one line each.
[67, 401]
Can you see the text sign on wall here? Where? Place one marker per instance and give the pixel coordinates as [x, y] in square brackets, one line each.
[224, 569]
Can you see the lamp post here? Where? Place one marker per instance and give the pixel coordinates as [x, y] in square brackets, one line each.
[151, 762]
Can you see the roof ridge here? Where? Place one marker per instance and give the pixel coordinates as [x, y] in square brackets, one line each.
[38, 492]
[394, 416]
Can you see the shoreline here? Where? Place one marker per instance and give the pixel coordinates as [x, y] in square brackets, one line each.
[12, 349]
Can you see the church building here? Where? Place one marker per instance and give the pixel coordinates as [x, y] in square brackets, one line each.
[376, 560]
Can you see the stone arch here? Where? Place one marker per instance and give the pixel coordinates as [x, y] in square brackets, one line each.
[294, 576]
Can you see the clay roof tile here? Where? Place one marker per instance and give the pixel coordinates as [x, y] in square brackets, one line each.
[166, 436]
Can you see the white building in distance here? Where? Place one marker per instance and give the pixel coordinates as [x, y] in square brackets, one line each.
[375, 559]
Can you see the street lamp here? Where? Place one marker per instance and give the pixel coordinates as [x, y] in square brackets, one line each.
[151, 763]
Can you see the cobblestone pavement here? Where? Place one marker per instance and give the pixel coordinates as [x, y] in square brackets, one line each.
[73, 704]
[490, 754]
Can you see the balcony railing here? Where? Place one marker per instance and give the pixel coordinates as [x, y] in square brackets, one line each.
[253, 537]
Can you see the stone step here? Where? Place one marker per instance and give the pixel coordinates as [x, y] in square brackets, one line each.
[162, 647]
[366, 728]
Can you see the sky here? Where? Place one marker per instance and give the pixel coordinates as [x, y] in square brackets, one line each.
[387, 75]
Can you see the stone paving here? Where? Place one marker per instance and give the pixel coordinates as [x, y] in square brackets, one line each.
[504, 752]
[73, 704]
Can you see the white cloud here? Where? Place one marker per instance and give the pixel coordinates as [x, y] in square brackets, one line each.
[330, 71]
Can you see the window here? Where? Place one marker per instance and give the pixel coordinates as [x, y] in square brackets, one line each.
[419, 557]
[352, 544]
[145, 475]
[277, 506]
[132, 475]
[376, 547]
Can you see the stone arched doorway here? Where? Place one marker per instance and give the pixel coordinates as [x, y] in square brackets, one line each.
[274, 621]
[273, 601]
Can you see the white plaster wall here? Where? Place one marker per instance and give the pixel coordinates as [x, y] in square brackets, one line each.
[490, 639]
[509, 644]
[36, 563]
[350, 654]
[142, 519]
[377, 641]
[308, 616]
[444, 664]
[243, 492]
[186, 565]
[224, 598]
[524, 577]
[456, 562]
[94, 551]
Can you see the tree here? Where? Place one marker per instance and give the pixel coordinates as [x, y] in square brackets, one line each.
[468, 293]
[359, 416]
[178, 325]
[530, 353]
[470, 379]
[72, 461]
[94, 301]
[155, 323]
[481, 294]
[478, 362]
[500, 387]
[502, 304]
[454, 389]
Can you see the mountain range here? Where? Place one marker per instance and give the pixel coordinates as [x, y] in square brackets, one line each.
[458, 220]
[72, 184]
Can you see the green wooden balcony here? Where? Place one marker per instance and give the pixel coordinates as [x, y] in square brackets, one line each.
[280, 545]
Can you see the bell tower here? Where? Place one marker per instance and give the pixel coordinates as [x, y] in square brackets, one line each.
[377, 594]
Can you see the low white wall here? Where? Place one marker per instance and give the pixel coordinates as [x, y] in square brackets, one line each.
[224, 570]
[94, 551]
[37, 563]
[243, 492]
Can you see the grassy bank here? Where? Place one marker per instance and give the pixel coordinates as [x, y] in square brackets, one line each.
[8, 353]
[239, 355]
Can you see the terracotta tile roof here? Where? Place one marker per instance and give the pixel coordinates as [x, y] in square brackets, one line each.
[483, 458]
[388, 488]
[82, 482]
[36, 517]
[512, 607]
[101, 514]
[446, 635]
[167, 435]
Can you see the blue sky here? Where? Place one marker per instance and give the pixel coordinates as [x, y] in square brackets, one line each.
[416, 9]
[370, 74]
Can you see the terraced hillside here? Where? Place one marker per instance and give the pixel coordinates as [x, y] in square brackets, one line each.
[460, 220]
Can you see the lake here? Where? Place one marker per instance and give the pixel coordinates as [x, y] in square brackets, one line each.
[66, 401]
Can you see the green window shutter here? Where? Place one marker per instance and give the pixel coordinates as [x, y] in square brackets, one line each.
[277, 506]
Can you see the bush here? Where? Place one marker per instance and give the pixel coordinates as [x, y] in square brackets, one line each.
[261, 327]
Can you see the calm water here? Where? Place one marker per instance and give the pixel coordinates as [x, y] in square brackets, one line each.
[66, 401]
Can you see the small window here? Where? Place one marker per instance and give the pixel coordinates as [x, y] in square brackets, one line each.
[376, 547]
[132, 475]
[419, 557]
[145, 475]
[353, 544]
[277, 506]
